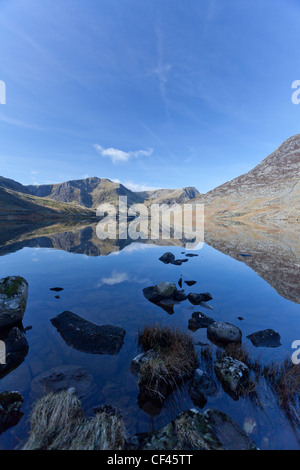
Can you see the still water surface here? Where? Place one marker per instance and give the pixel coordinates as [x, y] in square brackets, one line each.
[108, 290]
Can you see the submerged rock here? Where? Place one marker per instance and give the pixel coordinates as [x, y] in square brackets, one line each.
[89, 337]
[10, 404]
[202, 387]
[16, 349]
[199, 320]
[167, 258]
[63, 378]
[265, 338]
[228, 431]
[233, 375]
[193, 430]
[13, 299]
[222, 334]
[197, 299]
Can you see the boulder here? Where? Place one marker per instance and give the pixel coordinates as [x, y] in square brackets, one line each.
[222, 334]
[10, 404]
[233, 375]
[13, 299]
[162, 291]
[167, 258]
[63, 378]
[265, 338]
[89, 337]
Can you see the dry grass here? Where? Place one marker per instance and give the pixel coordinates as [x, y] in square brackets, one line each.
[58, 423]
[285, 382]
[175, 358]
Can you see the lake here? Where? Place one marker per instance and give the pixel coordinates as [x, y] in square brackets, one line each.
[103, 282]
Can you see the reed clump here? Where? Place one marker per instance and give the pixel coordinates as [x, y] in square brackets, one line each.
[174, 358]
[58, 423]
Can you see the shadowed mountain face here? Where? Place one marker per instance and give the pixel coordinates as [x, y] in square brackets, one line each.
[272, 253]
[270, 191]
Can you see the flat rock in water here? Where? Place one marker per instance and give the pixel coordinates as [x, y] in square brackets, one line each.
[56, 289]
[265, 338]
[222, 334]
[167, 258]
[13, 299]
[62, 378]
[191, 255]
[89, 337]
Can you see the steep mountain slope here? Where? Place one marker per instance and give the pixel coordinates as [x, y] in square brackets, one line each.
[15, 204]
[13, 185]
[270, 190]
[89, 192]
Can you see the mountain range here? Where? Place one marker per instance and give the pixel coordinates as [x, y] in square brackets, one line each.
[77, 198]
[270, 191]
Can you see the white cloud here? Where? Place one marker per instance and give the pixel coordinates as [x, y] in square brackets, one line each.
[119, 156]
[135, 186]
[114, 278]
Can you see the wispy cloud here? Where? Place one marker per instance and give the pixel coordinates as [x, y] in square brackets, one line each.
[119, 156]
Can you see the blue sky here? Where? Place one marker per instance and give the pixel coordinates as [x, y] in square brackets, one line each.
[157, 93]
